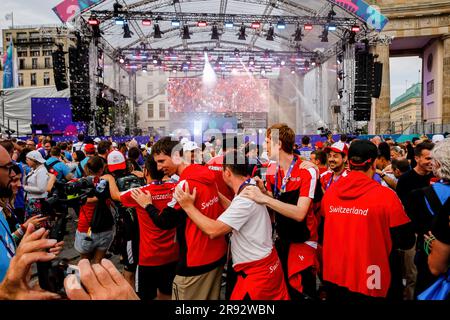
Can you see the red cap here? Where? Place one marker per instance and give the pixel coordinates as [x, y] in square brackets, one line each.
[89, 148]
[339, 147]
[319, 144]
[116, 161]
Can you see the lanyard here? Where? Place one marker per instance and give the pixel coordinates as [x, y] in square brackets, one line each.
[244, 184]
[4, 242]
[285, 180]
[331, 179]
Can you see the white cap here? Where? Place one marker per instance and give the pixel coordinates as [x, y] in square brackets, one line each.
[114, 144]
[97, 140]
[116, 161]
[36, 156]
[190, 146]
[143, 146]
[437, 138]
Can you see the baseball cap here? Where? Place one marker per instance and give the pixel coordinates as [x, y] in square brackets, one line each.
[319, 144]
[362, 152]
[340, 147]
[36, 156]
[97, 140]
[114, 144]
[437, 138]
[116, 161]
[190, 146]
[89, 148]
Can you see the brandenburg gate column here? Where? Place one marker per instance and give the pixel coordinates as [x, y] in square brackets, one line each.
[446, 81]
[380, 115]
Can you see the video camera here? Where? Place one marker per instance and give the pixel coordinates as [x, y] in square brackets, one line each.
[324, 132]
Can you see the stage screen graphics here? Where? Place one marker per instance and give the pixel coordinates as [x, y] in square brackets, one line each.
[56, 113]
[233, 94]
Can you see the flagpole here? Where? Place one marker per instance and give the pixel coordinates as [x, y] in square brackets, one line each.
[12, 19]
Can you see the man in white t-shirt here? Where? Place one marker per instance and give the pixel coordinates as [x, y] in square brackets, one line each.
[260, 276]
[79, 146]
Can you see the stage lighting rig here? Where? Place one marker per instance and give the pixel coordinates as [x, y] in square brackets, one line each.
[270, 34]
[298, 34]
[331, 14]
[242, 35]
[214, 33]
[157, 31]
[127, 33]
[186, 33]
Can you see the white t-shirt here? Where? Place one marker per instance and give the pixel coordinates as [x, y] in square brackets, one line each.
[252, 230]
[78, 146]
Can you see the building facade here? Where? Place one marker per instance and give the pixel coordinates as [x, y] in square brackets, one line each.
[406, 110]
[33, 47]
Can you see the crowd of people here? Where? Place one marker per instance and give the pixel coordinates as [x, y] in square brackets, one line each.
[352, 220]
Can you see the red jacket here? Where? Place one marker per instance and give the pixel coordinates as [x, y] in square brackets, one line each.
[359, 213]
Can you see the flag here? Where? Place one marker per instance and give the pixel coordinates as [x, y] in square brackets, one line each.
[8, 67]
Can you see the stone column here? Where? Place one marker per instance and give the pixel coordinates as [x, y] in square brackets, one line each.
[446, 81]
[380, 115]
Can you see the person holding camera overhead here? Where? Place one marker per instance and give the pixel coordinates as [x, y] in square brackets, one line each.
[95, 225]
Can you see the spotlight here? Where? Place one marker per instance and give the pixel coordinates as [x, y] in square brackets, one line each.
[146, 22]
[270, 34]
[185, 67]
[263, 71]
[155, 59]
[324, 35]
[121, 59]
[308, 27]
[117, 9]
[236, 52]
[186, 34]
[339, 59]
[119, 21]
[292, 70]
[341, 75]
[251, 61]
[331, 27]
[175, 23]
[242, 35]
[256, 25]
[157, 31]
[202, 24]
[356, 28]
[341, 93]
[298, 34]
[174, 69]
[281, 25]
[144, 68]
[93, 21]
[229, 24]
[127, 33]
[143, 46]
[282, 62]
[214, 33]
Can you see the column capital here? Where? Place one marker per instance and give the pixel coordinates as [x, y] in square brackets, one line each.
[445, 36]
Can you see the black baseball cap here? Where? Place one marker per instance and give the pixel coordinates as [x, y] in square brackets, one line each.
[362, 152]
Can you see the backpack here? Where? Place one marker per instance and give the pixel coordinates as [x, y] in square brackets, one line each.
[102, 219]
[123, 215]
[50, 168]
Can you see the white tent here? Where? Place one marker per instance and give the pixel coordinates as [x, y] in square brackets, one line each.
[16, 106]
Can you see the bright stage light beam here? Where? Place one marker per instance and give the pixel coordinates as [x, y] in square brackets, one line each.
[209, 77]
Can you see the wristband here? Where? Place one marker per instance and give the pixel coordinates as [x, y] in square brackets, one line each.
[20, 231]
[22, 228]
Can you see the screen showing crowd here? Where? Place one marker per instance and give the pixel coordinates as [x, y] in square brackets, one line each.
[235, 94]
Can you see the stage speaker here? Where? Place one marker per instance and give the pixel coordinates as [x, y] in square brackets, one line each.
[80, 97]
[363, 86]
[377, 79]
[59, 69]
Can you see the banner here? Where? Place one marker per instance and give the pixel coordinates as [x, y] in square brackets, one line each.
[370, 14]
[68, 9]
[8, 67]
